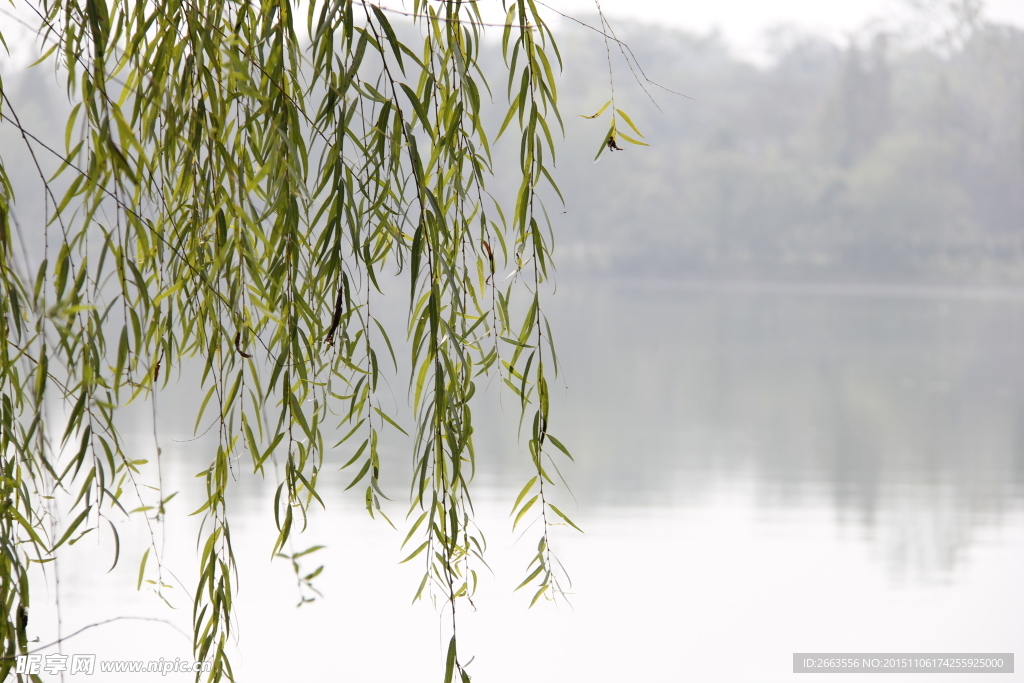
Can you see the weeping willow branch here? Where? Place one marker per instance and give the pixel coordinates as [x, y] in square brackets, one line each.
[234, 181]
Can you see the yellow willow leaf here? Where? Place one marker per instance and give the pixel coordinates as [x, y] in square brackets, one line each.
[632, 140]
[599, 111]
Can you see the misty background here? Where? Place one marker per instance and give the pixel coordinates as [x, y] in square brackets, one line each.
[878, 160]
[813, 273]
[792, 339]
[893, 156]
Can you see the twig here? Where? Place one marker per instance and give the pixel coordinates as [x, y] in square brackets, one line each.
[623, 45]
[86, 628]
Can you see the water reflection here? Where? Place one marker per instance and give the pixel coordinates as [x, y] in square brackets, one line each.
[775, 471]
[905, 406]
[901, 410]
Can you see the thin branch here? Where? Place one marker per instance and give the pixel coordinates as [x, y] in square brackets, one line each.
[86, 628]
[624, 46]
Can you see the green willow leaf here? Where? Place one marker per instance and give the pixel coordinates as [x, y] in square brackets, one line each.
[599, 111]
[449, 668]
[228, 199]
[142, 569]
[632, 140]
[526, 507]
[628, 120]
[566, 519]
[522, 494]
[71, 528]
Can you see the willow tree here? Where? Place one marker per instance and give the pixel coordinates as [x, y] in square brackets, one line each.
[234, 179]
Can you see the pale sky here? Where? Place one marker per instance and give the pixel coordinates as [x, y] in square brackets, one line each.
[743, 22]
[746, 18]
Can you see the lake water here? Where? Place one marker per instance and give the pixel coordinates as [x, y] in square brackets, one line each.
[759, 471]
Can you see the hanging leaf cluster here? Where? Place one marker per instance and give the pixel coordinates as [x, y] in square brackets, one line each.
[236, 177]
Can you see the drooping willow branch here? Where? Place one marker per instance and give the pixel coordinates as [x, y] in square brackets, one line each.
[229, 195]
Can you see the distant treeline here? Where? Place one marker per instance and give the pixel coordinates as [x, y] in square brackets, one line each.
[865, 161]
[871, 160]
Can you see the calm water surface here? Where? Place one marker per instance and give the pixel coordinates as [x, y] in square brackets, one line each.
[759, 472]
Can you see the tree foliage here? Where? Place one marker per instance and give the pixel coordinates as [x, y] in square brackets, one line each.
[894, 155]
[235, 179]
